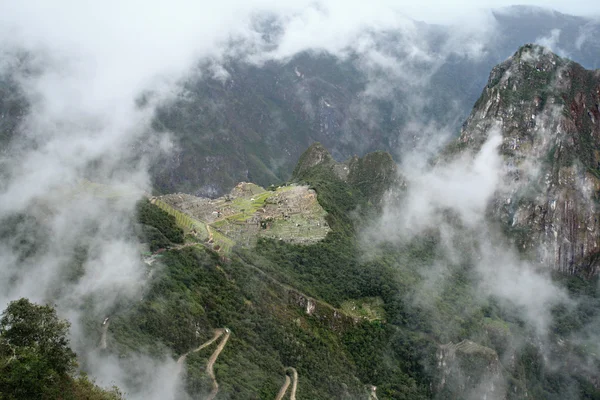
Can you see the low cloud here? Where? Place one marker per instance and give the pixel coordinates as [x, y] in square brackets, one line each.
[551, 41]
[450, 198]
[465, 186]
[79, 160]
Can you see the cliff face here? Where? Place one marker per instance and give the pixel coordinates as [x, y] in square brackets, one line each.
[469, 370]
[548, 111]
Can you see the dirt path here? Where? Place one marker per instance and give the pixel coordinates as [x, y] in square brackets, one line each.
[286, 384]
[211, 363]
[295, 383]
[181, 359]
[284, 388]
[184, 245]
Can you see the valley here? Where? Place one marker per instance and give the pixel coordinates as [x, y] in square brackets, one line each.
[299, 202]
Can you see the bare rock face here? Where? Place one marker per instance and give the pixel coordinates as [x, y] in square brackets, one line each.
[548, 112]
[468, 370]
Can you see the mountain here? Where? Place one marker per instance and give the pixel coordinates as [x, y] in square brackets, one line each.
[346, 324]
[249, 122]
[321, 318]
[547, 110]
[310, 306]
[244, 121]
[262, 266]
[350, 325]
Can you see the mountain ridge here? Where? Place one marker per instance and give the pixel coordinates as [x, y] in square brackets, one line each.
[546, 109]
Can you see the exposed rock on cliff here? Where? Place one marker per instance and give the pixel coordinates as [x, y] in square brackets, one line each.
[548, 111]
[469, 370]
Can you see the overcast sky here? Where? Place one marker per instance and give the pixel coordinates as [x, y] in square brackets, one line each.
[164, 37]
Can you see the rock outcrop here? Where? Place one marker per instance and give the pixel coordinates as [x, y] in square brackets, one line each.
[547, 109]
[372, 174]
[468, 370]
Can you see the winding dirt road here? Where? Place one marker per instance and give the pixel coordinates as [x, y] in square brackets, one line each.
[286, 384]
[284, 388]
[211, 361]
[181, 359]
[294, 383]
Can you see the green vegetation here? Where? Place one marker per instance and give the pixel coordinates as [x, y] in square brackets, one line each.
[35, 359]
[196, 293]
[342, 320]
[253, 294]
[159, 228]
[289, 213]
[370, 308]
[373, 174]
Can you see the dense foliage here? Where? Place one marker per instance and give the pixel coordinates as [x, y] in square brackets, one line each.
[255, 293]
[260, 295]
[36, 361]
[158, 228]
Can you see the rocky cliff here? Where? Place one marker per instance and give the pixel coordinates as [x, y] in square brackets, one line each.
[469, 368]
[547, 109]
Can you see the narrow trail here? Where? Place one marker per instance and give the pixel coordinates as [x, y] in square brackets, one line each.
[211, 361]
[181, 359]
[286, 384]
[294, 384]
[284, 388]
[183, 246]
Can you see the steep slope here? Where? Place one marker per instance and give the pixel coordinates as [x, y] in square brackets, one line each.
[250, 123]
[246, 122]
[547, 110]
[372, 174]
[290, 213]
[345, 323]
[280, 320]
[348, 325]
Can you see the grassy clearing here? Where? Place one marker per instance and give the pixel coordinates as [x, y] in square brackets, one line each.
[369, 308]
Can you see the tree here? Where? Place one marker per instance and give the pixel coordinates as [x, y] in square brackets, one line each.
[36, 361]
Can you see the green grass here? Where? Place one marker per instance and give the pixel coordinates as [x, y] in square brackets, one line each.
[369, 308]
[303, 225]
[225, 243]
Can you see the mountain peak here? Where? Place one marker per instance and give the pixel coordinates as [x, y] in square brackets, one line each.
[316, 154]
[373, 174]
[547, 109]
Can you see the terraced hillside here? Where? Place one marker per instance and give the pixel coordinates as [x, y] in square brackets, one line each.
[289, 213]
